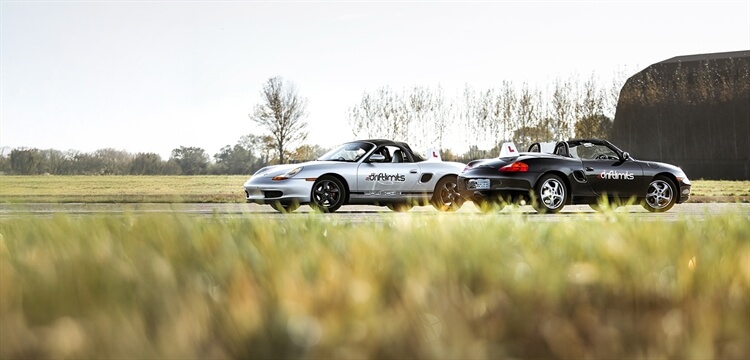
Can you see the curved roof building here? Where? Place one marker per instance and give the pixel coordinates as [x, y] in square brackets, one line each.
[693, 111]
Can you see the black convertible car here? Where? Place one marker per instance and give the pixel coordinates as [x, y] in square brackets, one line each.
[583, 171]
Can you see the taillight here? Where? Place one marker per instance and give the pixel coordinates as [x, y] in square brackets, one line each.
[517, 166]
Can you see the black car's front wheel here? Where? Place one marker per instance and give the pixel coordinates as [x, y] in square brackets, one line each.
[660, 195]
[446, 196]
[328, 194]
[551, 194]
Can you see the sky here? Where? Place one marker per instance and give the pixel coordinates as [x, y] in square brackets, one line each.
[151, 76]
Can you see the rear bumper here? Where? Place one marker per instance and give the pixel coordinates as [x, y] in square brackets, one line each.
[499, 188]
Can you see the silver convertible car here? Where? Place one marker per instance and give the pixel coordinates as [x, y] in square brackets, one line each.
[371, 172]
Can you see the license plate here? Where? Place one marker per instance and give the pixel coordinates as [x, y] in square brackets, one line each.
[479, 184]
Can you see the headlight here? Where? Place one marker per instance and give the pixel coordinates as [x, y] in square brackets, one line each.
[289, 174]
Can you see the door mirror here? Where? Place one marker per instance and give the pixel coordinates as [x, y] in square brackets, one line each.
[626, 155]
[376, 158]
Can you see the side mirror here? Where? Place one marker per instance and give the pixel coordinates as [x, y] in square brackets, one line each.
[626, 155]
[376, 158]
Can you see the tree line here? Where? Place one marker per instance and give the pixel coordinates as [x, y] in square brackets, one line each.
[484, 118]
[250, 153]
[421, 116]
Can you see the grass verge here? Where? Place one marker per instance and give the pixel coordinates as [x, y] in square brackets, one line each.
[411, 286]
[217, 189]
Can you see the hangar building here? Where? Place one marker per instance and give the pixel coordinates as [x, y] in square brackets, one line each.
[692, 111]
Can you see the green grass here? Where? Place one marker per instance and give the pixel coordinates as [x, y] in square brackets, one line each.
[119, 189]
[409, 286]
[216, 189]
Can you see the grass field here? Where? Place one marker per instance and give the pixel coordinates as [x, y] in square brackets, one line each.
[217, 189]
[412, 286]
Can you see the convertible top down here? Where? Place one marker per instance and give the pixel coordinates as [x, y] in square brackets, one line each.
[375, 172]
[582, 171]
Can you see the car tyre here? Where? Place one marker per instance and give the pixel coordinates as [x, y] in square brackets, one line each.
[661, 195]
[285, 208]
[328, 194]
[446, 196]
[551, 194]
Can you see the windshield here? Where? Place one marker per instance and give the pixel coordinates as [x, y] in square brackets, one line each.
[590, 151]
[349, 152]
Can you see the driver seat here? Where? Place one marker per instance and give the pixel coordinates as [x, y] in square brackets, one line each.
[562, 149]
[398, 156]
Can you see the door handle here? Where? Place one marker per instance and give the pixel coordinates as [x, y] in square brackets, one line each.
[588, 168]
[413, 171]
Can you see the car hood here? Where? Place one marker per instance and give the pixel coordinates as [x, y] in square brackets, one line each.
[660, 165]
[276, 170]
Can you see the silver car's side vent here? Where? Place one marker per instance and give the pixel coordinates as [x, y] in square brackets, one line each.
[426, 177]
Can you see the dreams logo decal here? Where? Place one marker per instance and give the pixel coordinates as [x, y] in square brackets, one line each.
[616, 175]
[386, 177]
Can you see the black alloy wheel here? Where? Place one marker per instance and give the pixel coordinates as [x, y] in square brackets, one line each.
[446, 197]
[328, 194]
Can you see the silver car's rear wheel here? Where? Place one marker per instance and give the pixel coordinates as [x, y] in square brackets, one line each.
[328, 194]
[446, 196]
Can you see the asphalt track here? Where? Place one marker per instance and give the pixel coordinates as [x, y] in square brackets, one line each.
[692, 211]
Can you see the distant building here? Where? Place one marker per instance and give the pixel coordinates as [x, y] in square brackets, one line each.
[693, 111]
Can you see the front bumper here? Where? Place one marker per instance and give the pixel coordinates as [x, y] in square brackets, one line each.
[263, 190]
[684, 186]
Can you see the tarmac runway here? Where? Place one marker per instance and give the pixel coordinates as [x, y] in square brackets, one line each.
[355, 213]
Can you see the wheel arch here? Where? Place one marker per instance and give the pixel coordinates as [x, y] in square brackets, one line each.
[445, 176]
[667, 175]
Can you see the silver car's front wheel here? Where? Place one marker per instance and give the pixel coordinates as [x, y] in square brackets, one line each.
[328, 194]
[660, 195]
[551, 194]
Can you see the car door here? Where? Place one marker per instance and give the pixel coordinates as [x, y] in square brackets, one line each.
[389, 177]
[609, 174]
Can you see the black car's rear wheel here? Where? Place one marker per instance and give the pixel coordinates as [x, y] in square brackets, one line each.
[285, 208]
[551, 194]
[328, 194]
[660, 195]
[446, 196]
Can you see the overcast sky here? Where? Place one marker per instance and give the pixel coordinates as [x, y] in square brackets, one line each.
[150, 76]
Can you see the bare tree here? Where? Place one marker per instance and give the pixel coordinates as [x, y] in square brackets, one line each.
[524, 135]
[443, 116]
[563, 106]
[282, 112]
